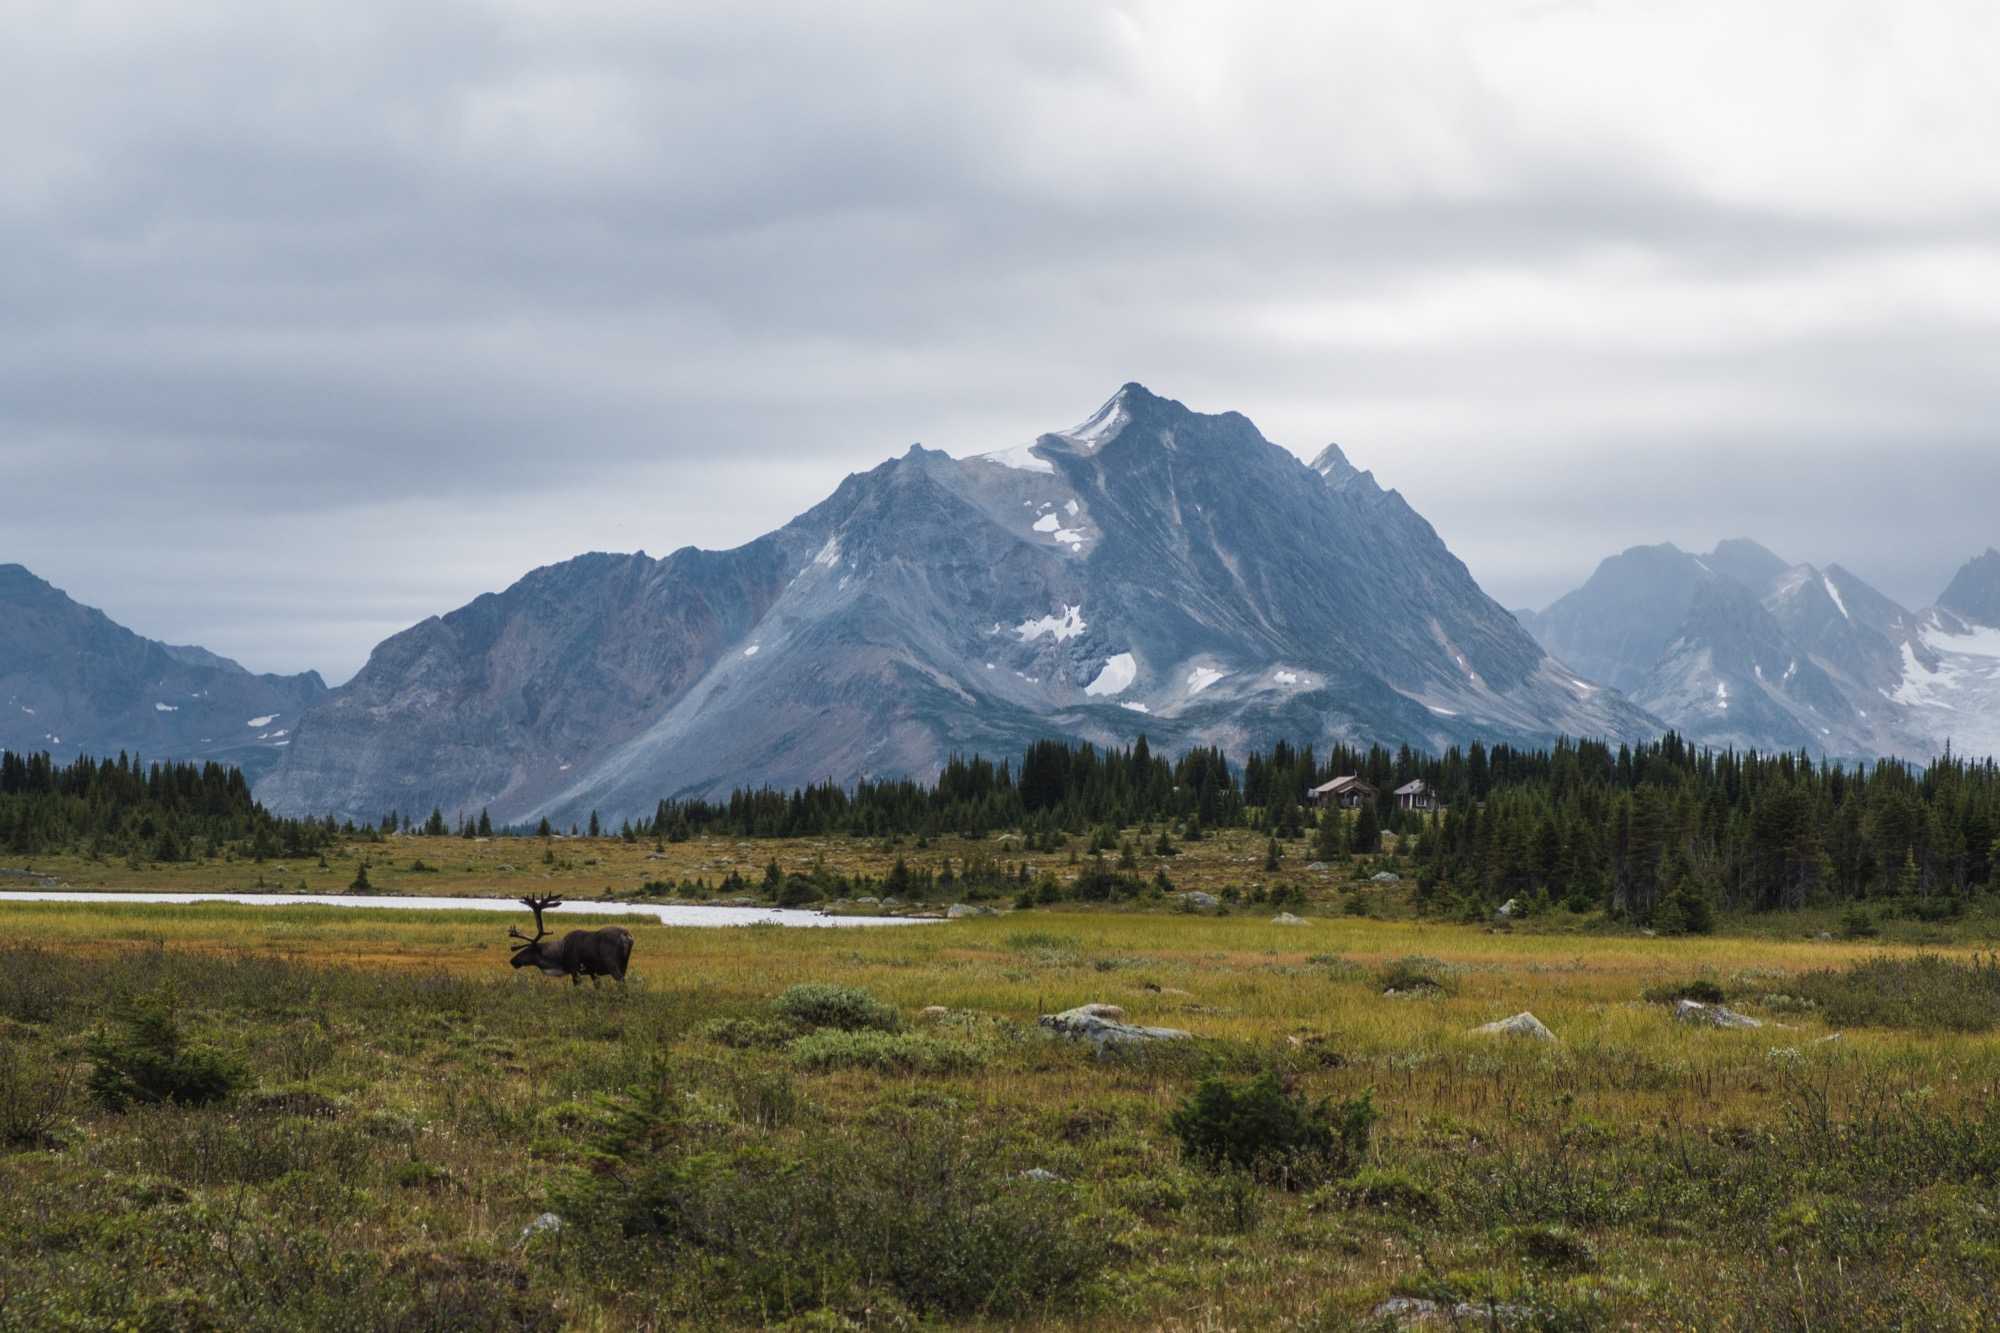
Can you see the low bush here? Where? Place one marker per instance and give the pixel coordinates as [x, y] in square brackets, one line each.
[747, 1034]
[824, 1005]
[1926, 992]
[1387, 1191]
[1261, 1126]
[912, 1210]
[1551, 1247]
[1413, 974]
[34, 1096]
[889, 1052]
[145, 1059]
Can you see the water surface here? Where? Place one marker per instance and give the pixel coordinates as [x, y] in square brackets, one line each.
[667, 914]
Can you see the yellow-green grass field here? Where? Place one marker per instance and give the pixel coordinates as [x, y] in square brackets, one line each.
[406, 1104]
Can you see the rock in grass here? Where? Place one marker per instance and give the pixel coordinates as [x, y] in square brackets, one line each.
[958, 910]
[1287, 919]
[1523, 1024]
[1712, 1015]
[546, 1222]
[1410, 1311]
[1196, 898]
[1386, 877]
[1089, 1023]
[1041, 1175]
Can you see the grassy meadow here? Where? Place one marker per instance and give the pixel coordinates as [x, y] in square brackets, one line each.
[396, 1108]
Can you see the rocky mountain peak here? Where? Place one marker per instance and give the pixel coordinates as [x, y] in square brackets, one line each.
[1974, 592]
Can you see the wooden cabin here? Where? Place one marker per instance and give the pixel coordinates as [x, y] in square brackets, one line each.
[1343, 793]
[1416, 795]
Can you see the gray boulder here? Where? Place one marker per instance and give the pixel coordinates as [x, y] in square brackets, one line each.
[1088, 1023]
[958, 911]
[1523, 1024]
[1287, 919]
[1712, 1015]
[547, 1222]
[1196, 898]
[1386, 877]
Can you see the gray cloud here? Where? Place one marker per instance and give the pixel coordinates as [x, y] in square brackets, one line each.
[316, 319]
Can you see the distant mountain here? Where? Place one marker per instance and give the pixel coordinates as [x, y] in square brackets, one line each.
[1974, 592]
[72, 681]
[1151, 570]
[1739, 648]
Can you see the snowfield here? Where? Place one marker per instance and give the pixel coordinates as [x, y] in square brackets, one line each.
[1117, 676]
[1201, 678]
[1066, 626]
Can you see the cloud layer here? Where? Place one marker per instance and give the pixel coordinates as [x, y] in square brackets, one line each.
[316, 319]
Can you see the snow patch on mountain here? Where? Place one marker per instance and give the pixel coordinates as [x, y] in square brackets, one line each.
[1065, 626]
[1201, 678]
[1021, 457]
[1099, 426]
[263, 721]
[166, 708]
[1115, 677]
[1834, 593]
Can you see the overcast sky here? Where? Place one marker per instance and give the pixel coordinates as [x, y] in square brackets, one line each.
[317, 318]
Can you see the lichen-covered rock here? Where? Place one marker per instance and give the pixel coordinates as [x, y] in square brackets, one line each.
[1523, 1024]
[1712, 1015]
[1088, 1023]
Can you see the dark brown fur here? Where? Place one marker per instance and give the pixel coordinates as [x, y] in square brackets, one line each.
[603, 952]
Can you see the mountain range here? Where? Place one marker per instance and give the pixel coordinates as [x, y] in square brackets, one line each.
[1152, 570]
[1741, 647]
[73, 681]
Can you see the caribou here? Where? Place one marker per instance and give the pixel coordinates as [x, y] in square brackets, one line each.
[579, 954]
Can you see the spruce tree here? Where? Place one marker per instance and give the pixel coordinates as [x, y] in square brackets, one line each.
[1367, 831]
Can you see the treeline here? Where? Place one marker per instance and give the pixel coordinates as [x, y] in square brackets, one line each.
[158, 812]
[1661, 832]
[1665, 833]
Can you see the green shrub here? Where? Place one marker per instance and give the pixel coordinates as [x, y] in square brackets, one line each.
[1412, 974]
[889, 1052]
[1260, 1126]
[747, 1034]
[819, 1004]
[1857, 924]
[147, 1059]
[34, 1095]
[1929, 991]
[1551, 1247]
[913, 1210]
[1388, 1191]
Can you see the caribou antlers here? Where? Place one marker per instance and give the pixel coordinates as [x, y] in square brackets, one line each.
[537, 906]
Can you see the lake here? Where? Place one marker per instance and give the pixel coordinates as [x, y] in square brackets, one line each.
[667, 914]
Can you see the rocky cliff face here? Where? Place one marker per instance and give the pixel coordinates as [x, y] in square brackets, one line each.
[1151, 570]
[74, 682]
